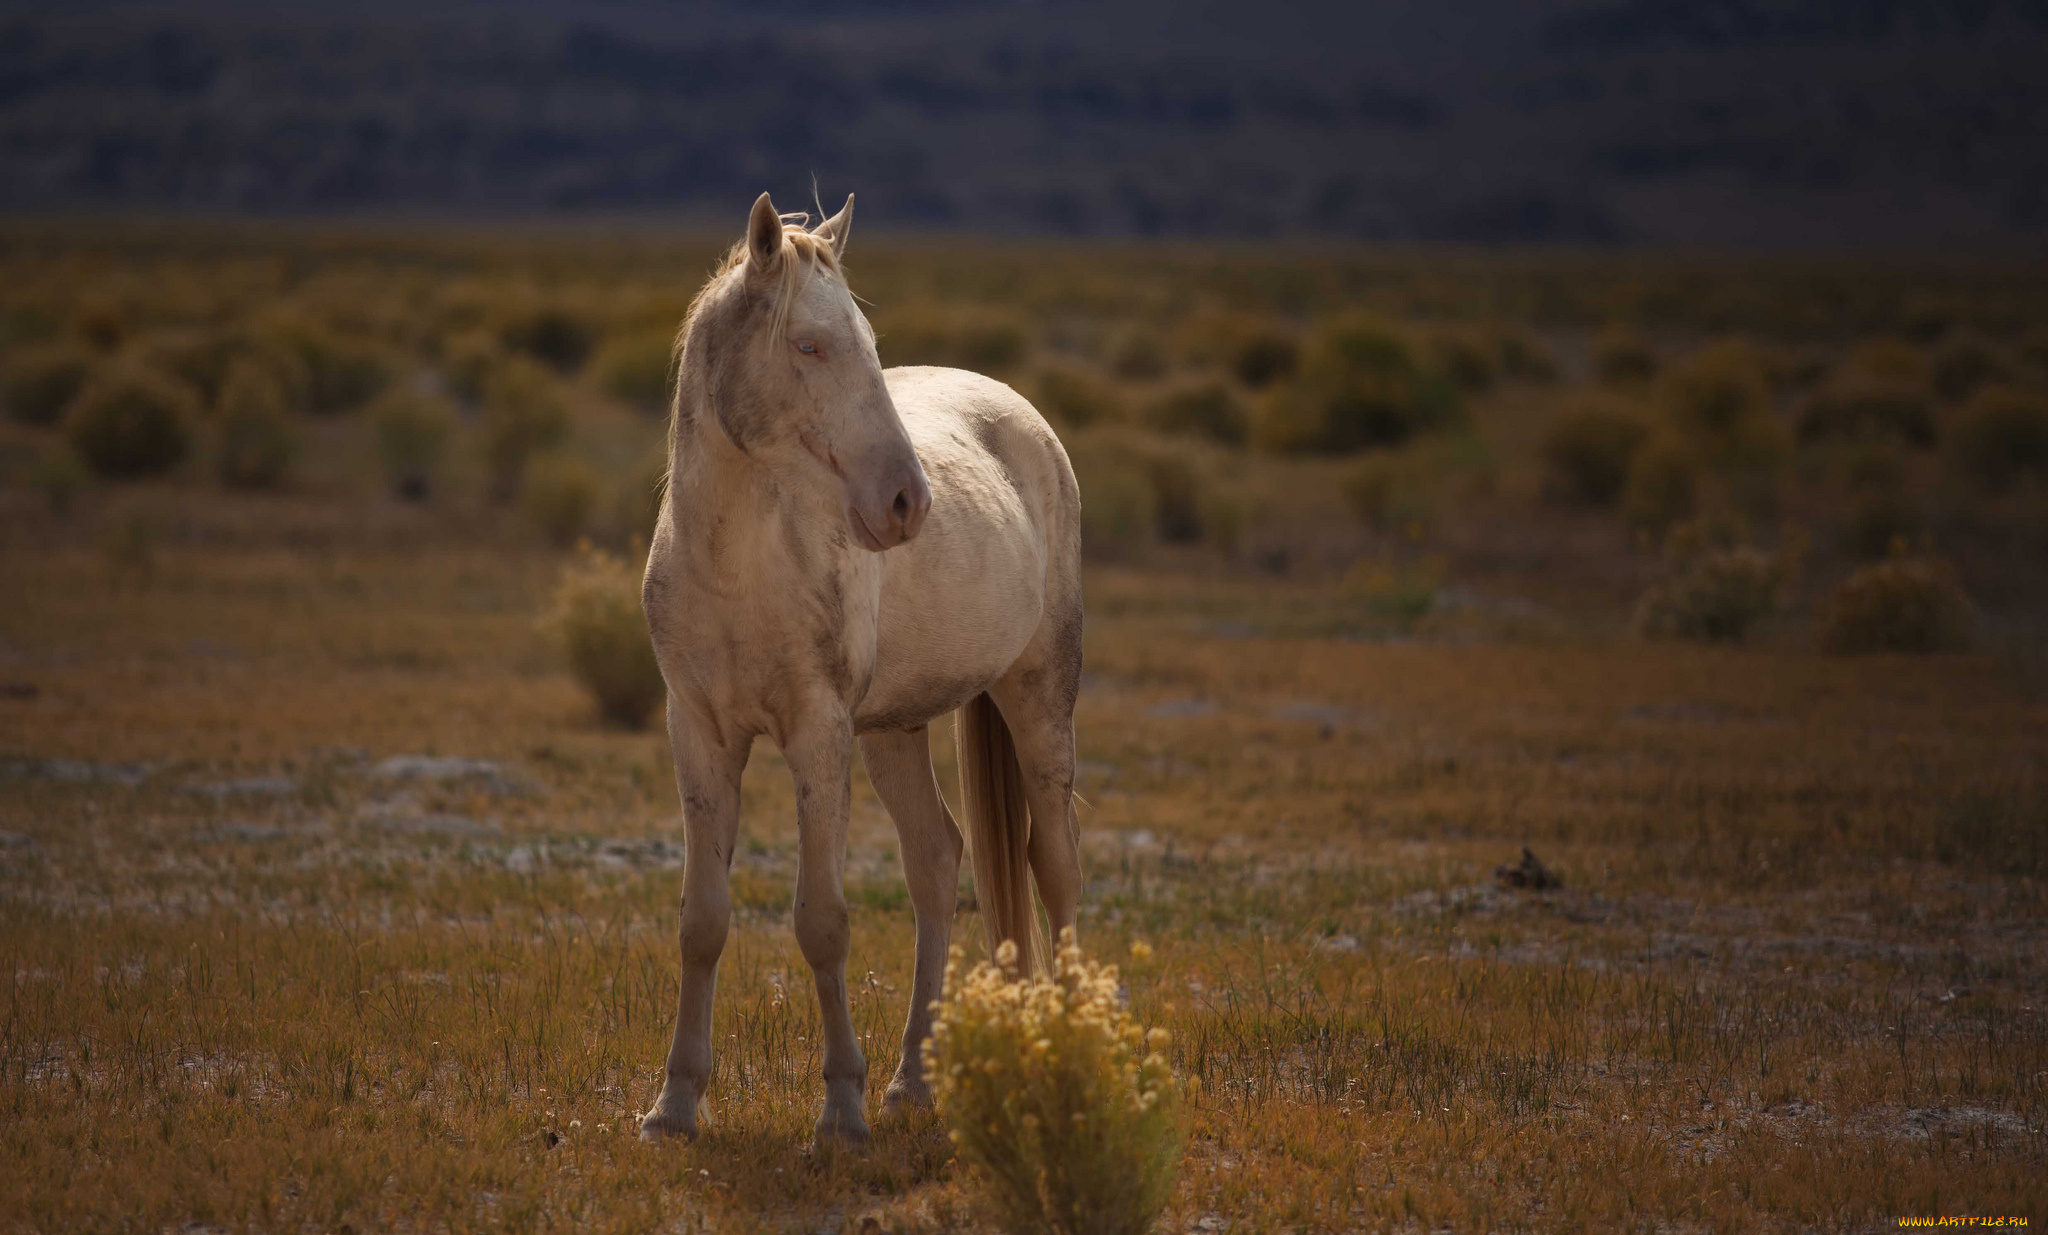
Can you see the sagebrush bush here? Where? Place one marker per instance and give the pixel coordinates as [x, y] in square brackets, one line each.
[132, 423]
[636, 503]
[1853, 407]
[1712, 392]
[1118, 500]
[560, 498]
[951, 337]
[412, 436]
[552, 335]
[523, 414]
[1524, 356]
[199, 358]
[1060, 1100]
[1586, 455]
[1621, 355]
[1965, 362]
[59, 475]
[1139, 355]
[1263, 357]
[258, 440]
[636, 368]
[2001, 438]
[467, 362]
[339, 373]
[1076, 399]
[1888, 360]
[1903, 604]
[1717, 596]
[1211, 410]
[1465, 359]
[40, 382]
[1663, 484]
[599, 624]
[1361, 384]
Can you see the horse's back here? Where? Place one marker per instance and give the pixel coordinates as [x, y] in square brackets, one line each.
[998, 552]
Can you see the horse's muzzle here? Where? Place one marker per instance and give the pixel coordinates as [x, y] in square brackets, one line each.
[905, 499]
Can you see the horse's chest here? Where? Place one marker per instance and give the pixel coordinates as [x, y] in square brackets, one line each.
[762, 656]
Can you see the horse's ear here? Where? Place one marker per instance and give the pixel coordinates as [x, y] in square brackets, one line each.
[764, 234]
[838, 227]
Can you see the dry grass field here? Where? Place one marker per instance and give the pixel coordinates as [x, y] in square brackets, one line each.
[329, 904]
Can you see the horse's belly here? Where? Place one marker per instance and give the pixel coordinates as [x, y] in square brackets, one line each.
[950, 624]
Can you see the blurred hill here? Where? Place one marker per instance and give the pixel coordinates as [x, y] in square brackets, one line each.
[1895, 123]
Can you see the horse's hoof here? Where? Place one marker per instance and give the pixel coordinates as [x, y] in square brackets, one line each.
[842, 1127]
[660, 1125]
[906, 1094]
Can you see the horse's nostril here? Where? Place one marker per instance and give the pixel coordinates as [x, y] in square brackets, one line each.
[902, 507]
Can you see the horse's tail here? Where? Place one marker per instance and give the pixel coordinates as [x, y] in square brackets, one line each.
[999, 823]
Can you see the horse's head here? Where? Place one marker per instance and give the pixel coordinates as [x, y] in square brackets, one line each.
[788, 365]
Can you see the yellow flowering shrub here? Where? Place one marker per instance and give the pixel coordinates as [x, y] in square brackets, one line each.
[1064, 1103]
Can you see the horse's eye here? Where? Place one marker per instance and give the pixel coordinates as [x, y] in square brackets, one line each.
[807, 347]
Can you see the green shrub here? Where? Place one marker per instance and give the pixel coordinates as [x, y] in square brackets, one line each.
[976, 339]
[1880, 520]
[1464, 360]
[598, 622]
[132, 423]
[199, 358]
[1388, 492]
[1062, 1104]
[1076, 399]
[636, 503]
[1263, 357]
[1965, 362]
[1139, 356]
[1620, 355]
[338, 373]
[257, 440]
[467, 362]
[636, 368]
[1868, 407]
[1904, 604]
[523, 415]
[1360, 385]
[1587, 455]
[1717, 596]
[40, 382]
[1526, 357]
[1714, 391]
[1118, 500]
[1663, 485]
[560, 498]
[2001, 438]
[1888, 360]
[552, 335]
[412, 436]
[1211, 410]
[59, 475]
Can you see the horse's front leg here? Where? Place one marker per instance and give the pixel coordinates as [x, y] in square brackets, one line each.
[820, 759]
[709, 779]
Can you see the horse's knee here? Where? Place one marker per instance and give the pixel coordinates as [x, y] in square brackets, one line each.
[823, 930]
[705, 920]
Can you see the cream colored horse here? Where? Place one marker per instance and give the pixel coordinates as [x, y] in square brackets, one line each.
[845, 554]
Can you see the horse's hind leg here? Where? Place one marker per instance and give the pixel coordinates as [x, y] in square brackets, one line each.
[709, 778]
[900, 768]
[1037, 698]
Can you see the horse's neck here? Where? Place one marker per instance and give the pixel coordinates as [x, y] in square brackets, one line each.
[734, 521]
